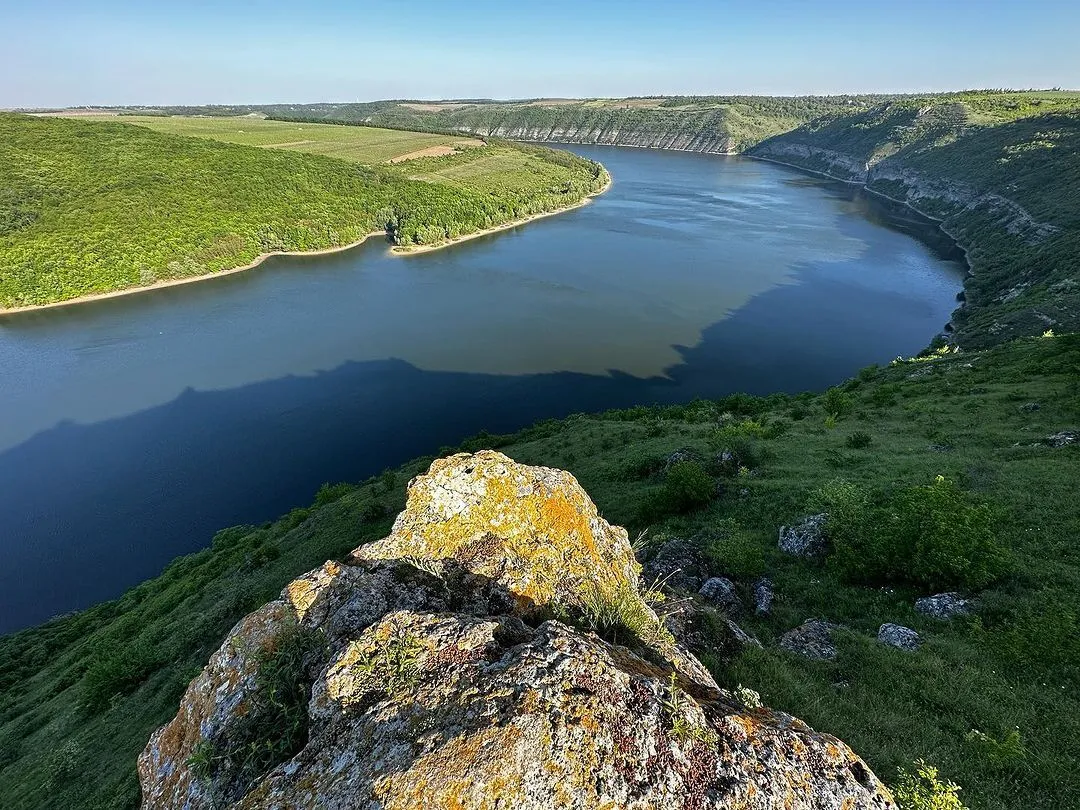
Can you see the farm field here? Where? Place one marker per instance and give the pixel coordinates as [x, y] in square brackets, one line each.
[353, 143]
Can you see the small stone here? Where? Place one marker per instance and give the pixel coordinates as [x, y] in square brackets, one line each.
[939, 448]
[763, 596]
[896, 635]
[1063, 438]
[943, 605]
[1029, 407]
[806, 538]
[812, 639]
[721, 591]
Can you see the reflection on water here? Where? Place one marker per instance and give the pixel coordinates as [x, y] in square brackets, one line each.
[130, 429]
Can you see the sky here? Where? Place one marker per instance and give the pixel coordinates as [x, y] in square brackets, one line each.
[115, 52]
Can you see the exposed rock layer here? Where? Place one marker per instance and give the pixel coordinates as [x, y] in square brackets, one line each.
[438, 683]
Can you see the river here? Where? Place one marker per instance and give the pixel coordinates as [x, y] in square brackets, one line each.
[133, 428]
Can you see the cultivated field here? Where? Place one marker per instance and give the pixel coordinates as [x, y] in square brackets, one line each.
[357, 144]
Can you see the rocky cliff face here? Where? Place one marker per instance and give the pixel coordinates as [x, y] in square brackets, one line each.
[712, 142]
[450, 666]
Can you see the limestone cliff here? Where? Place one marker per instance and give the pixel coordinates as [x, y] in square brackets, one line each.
[448, 666]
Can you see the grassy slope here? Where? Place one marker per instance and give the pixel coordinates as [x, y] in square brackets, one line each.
[92, 207]
[81, 694]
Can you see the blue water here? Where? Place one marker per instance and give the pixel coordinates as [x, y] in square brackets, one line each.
[131, 429]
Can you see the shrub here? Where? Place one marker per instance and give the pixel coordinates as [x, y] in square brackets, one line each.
[328, 493]
[859, 440]
[737, 554]
[836, 402]
[687, 486]
[931, 536]
[921, 789]
[116, 669]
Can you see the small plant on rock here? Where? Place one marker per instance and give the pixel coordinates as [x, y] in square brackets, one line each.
[921, 789]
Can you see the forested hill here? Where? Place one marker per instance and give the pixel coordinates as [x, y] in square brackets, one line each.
[92, 207]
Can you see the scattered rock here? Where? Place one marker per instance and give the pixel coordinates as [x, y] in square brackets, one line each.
[763, 596]
[435, 682]
[1029, 407]
[683, 454]
[679, 563]
[721, 591]
[1063, 438]
[896, 635]
[702, 628]
[812, 639]
[943, 605]
[939, 448]
[806, 538]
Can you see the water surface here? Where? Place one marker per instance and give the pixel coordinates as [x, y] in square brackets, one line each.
[132, 428]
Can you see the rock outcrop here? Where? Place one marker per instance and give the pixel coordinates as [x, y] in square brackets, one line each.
[454, 664]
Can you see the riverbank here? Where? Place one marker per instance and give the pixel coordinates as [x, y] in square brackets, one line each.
[396, 250]
[412, 250]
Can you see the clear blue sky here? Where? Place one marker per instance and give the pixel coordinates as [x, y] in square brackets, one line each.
[61, 52]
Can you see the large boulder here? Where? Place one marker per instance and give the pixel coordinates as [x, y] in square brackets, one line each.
[805, 538]
[678, 563]
[721, 592]
[425, 673]
[896, 635]
[812, 639]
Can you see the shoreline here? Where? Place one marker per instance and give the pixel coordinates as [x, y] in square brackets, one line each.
[394, 250]
[412, 250]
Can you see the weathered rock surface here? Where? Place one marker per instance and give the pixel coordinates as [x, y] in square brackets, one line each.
[812, 639]
[678, 563]
[1063, 438]
[806, 538]
[943, 605]
[896, 635]
[721, 592]
[763, 596]
[436, 681]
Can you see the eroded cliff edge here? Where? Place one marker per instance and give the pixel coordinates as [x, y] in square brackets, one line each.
[450, 665]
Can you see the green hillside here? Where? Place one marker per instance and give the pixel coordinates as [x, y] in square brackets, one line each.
[990, 699]
[93, 207]
[1001, 170]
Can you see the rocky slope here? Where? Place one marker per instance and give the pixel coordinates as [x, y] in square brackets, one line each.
[451, 665]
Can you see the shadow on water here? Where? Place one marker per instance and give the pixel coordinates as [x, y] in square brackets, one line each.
[212, 459]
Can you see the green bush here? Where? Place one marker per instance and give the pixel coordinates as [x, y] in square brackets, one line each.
[931, 536]
[736, 554]
[116, 669]
[328, 493]
[836, 402]
[687, 486]
[921, 789]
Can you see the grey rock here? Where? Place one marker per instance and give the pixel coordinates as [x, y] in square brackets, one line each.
[700, 627]
[806, 538]
[1063, 438]
[721, 591]
[896, 635]
[1029, 407]
[943, 605]
[763, 596]
[812, 639]
[677, 562]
